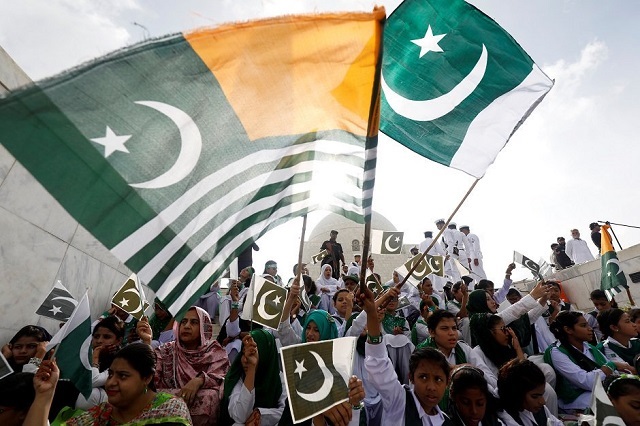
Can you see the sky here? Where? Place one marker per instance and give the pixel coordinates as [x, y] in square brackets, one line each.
[574, 161]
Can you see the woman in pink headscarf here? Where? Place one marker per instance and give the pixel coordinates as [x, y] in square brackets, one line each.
[193, 366]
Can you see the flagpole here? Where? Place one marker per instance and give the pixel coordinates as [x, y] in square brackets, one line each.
[304, 229]
[614, 236]
[433, 242]
[631, 301]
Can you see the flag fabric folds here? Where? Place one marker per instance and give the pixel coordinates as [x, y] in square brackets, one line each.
[59, 303]
[73, 353]
[178, 153]
[428, 265]
[264, 303]
[130, 298]
[317, 375]
[455, 85]
[386, 242]
[613, 280]
[527, 263]
[318, 257]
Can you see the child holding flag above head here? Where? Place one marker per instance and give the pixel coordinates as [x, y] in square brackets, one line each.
[428, 373]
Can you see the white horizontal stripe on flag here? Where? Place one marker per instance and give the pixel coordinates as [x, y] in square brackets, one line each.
[490, 131]
[146, 233]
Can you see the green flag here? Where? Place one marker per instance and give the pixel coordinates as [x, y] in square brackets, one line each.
[455, 84]
[178, 153]
[613, 279]
[73, 353]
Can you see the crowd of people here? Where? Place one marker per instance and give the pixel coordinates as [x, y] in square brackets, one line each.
[447, 355]
[565, 254]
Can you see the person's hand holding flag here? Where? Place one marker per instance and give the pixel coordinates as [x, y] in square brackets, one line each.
[294, 292]
[143, 330]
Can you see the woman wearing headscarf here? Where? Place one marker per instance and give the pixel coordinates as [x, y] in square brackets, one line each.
[327, 286]
[193, 366]
[249, 397]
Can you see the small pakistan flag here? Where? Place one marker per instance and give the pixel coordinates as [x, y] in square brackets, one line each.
[386, 242]
[527, 263]
[59, 303]
[317, 375]
[265, 302]
[318, 257]
[374, 285]
[130, 298]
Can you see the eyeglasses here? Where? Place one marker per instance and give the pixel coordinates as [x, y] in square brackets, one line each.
[503, 329]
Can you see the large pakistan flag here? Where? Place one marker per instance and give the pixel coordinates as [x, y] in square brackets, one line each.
[178, 153]
[455, 85]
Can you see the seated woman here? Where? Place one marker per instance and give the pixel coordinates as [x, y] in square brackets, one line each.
[428, 373]
[105, 341]
[161, 323]
[132, 399]
[521, 386]
[193, 366]
[327, 286]
[620, 344]
[624, 393]
[498, 344]
[318, 324]
[577, 363]
[471, 404]
[27, 345]
[249, 396]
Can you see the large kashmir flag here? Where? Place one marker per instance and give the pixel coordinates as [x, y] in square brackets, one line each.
[178, 153]
[613, 280]
[73, 352]
[455, 84]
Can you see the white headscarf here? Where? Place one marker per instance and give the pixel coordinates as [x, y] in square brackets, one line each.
[330, 282]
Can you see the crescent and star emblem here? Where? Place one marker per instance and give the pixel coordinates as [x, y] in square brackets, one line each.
[327, 383]
[387, 243]
[190, 146]
[66, 299]
[432, 109]
[263, 300]
[615, 262]
[134, 291]
[84, 353]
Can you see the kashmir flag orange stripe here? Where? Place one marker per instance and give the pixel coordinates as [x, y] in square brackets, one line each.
[300, 70]
[605, 241]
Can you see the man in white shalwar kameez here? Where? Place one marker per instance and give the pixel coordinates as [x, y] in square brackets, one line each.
[577, 248]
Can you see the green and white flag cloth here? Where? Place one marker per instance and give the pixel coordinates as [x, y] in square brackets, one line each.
[178, 153]
[455, 84]
[428, 265]
[264, 303]
[318, 257]
[130, 298]
[613, 279]
[59, 303]
[527, 263]
[386, 242]
[317, 375]
[73, 353]
[374, 284]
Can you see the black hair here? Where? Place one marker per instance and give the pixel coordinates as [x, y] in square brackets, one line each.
[634, 314]
[553, 246]
[598, 294]
[428, 354]
[564, 319]
[437, 316]
[424, 279]
[554, 283]
[141, 357]
[309, 284]
[467, 377]
[16, 391]
[113, 324]
[608, 318]
[37, 332]
[515, 379]
[340, 290]
[423, 304]
[497, 353]
[484, 284]
[617, 386]
[514, 291]
[456, 287]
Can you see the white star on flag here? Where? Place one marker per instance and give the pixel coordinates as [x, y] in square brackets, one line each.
[300, 368]
[124, 302]
[429, 43]
[276, 301]
[397, 239]
[112, 142]
[56, 309]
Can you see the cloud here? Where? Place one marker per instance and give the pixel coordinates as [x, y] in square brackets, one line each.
[63, 33]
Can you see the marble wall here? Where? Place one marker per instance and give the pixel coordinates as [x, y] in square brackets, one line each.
[41, 243]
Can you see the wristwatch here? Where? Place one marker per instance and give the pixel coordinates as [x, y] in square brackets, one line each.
[374, 340]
